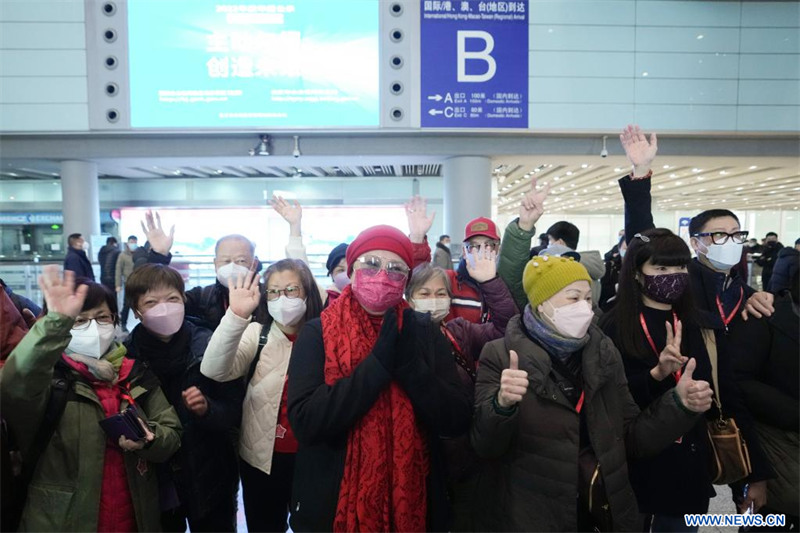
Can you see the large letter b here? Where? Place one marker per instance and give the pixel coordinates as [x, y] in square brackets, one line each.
[481, 55]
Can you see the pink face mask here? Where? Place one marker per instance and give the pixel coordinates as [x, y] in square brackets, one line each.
[377, 292]
[164, 318]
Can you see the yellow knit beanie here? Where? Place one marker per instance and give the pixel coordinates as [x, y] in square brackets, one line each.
[546, 275]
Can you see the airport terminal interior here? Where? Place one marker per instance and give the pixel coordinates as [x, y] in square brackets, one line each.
[204, 111]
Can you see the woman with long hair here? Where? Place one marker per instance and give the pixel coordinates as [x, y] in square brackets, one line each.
[260, 354]
[653, 326]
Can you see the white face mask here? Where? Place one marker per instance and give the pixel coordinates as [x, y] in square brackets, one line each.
[85, 246]
[722, 256]
[287, 311]
[92, 341]
[231, 270]
[437, 307]
[571, 320]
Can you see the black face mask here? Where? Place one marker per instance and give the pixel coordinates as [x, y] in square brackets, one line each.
[665, 288]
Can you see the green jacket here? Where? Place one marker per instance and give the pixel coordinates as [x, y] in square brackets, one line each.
[514, 255]
[64, 494]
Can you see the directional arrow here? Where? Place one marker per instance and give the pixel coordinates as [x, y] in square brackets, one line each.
[436, 97]
[435, 112]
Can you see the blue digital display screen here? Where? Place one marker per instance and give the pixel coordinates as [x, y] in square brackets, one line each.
[228, 64]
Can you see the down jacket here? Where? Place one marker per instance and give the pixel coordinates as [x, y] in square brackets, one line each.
[228, 356]
[531, 485]
[64, 494]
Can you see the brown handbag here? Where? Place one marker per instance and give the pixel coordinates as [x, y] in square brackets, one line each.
[730, 460]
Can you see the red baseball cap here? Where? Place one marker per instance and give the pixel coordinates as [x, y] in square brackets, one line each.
[481, 226]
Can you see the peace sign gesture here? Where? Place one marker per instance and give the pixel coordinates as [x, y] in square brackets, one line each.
[670, 359]
[532, 206]
[243, 295]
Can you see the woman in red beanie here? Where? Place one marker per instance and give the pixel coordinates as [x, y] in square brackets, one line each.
[372, 386]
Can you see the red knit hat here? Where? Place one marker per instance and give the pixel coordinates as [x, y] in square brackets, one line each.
[481, 226]
[380, 238]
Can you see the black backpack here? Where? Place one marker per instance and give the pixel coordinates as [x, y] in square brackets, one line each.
[15, 479]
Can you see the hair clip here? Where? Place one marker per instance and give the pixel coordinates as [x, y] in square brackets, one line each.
[644, 238]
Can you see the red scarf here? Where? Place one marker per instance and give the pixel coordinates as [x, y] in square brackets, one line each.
[383, 485]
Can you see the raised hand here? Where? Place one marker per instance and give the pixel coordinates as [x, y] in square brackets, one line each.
[694, 395]
[60, 292]
[639, 150]
[759, 304]
[243, 295]
[159, 241]
[482, 264]
[195, 401]
[419, 223]
[513, 383]
[293, 214]
[532, 206]
[670, 359]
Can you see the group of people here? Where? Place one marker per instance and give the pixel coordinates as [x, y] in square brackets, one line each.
[404, 396]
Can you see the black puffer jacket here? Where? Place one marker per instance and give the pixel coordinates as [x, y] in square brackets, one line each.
[532, 483]
[205, 469]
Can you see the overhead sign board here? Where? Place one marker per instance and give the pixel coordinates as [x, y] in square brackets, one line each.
[474, 64]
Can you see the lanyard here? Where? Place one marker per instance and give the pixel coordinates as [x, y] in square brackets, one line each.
[727, 320]
[126, 394]
[580, 402]
[461, 360]
[677, 374]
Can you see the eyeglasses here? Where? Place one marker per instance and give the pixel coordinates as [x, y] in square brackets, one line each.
[101, 320]
[490, 245]
[721, 237]
[290, 292]
[395, 270]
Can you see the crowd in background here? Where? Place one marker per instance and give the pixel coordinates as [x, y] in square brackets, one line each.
[527, 386]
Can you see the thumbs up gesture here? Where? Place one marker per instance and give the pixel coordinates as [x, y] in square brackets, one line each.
[513, 383]
[694, 395]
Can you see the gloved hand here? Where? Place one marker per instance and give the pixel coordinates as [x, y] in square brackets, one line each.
[385, 349]
[413, 336]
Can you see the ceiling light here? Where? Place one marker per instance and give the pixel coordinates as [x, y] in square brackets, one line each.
[753, 167]
[617, 169]
[673, 175]
[739, 188]
[569, 173]
[645, 74]
[700, 178]
[678, 183]
[556, 178]
[665, 167]
[695, 170]
[584, 165]
[723, 172]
